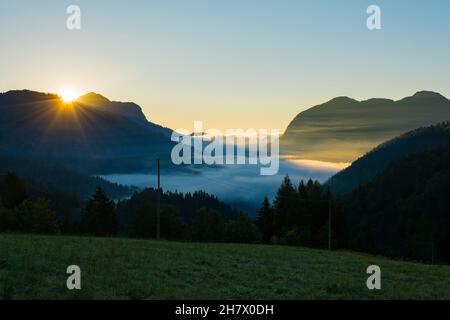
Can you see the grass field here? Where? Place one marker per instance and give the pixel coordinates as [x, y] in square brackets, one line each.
[34, 267]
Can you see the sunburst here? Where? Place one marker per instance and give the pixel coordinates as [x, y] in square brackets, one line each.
[68, 95]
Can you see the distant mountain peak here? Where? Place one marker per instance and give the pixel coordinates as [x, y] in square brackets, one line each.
[378, 100]
[93, 97]
[28, 94]
[428, 95]
[127, 109]
[341, 100]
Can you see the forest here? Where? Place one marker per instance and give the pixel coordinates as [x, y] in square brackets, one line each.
[401, 213]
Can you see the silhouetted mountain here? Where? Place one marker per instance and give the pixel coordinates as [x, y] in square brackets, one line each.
[127, 109]
[368, 166]
[92, 135]
[405, 210]
[344, 129]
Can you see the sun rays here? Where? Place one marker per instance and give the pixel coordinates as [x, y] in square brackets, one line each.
[68, 95]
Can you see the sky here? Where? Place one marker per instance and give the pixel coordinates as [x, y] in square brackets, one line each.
[229, 63]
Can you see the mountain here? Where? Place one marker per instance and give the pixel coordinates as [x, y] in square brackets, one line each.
[127, 109]
[367, 167]
[90, 135]
[344, 129]
[405, 210]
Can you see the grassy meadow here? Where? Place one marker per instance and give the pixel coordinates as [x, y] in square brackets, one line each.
[34, 267]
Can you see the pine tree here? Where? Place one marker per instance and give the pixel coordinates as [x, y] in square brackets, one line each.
[241, 230]
[303, 192]
[12, 191]
[284, 206]
[207, 226]
[37, 217]
[303, 213]
[266, 220]
[143, 224]
[100, 216]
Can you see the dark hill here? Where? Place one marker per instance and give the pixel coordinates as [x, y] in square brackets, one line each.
[405, 210]
[368, 166]
[67, 181]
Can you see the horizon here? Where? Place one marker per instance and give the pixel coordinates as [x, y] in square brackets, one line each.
[232, 65]
[74, 98]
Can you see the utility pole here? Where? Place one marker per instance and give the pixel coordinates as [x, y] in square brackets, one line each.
[329, 223]
[158, 207]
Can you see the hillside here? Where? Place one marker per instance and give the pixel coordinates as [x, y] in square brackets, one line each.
[66, 206]
[405, 210]
[127, 109]
[344, 129]
[34, 267]
[67, 181]
[367, 167]
[92, 135]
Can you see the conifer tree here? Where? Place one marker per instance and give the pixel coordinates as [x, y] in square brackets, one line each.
[266, 220]
[12, 191]
[284, 206]
[99, 217]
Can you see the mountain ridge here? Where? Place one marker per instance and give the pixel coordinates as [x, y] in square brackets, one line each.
[127, 109]
[343, 129]
[87, 136]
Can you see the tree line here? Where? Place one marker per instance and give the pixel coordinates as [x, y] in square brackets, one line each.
[298, 216]
[196, 217]
[398, 214]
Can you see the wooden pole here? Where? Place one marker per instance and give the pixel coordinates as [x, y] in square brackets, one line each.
[329, 224]
[158, 207]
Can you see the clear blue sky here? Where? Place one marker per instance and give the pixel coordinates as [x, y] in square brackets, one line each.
[230, 63]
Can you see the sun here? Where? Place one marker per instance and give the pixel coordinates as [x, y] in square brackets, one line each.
[68, 95]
